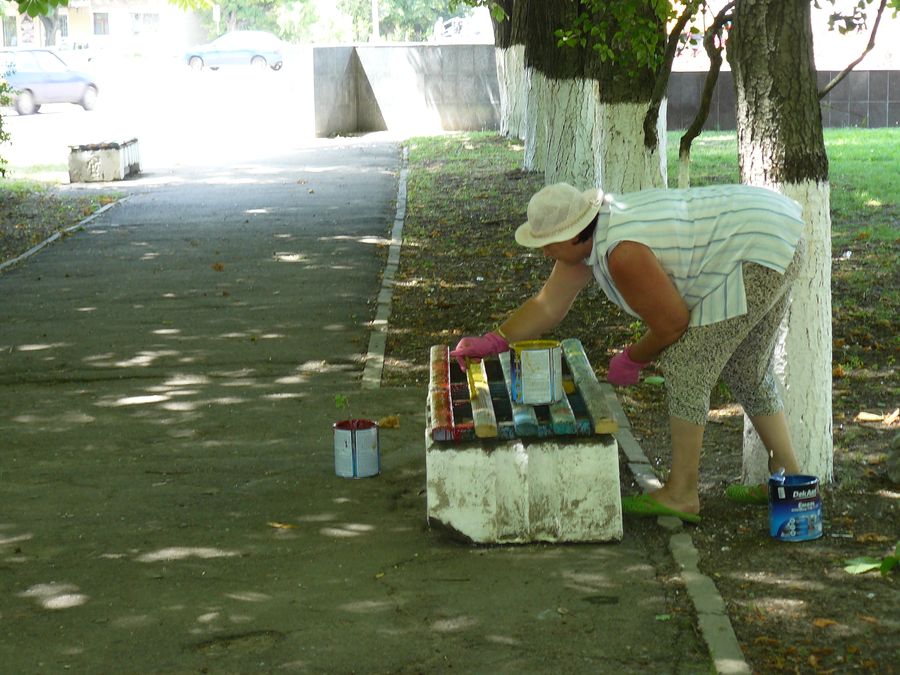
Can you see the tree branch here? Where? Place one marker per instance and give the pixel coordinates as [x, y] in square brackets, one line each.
[662, 79]
[715, 58]
[846, 71]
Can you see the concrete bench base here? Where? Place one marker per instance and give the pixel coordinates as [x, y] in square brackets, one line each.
[520, 491]
[101, 162]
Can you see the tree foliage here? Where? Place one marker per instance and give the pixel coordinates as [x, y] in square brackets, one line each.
[401, 20]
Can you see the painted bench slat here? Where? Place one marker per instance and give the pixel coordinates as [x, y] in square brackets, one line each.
[603, 420]
[480, 398]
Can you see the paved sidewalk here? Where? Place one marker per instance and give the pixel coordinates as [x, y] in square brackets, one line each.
[168, 500]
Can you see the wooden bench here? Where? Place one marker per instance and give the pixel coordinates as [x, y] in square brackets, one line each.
[498, 471]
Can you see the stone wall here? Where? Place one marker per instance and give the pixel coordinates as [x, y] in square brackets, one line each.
[420, 88]
[865, 98]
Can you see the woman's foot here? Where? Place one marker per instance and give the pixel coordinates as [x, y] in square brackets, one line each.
[661, 503]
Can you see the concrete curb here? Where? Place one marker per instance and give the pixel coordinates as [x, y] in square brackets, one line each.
[56, 235]
[715, 626]
[371, 378]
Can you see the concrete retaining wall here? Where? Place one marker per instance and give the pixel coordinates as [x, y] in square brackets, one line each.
[414, 88]
[426, 88]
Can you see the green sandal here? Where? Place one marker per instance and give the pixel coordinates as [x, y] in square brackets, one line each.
[748, 494]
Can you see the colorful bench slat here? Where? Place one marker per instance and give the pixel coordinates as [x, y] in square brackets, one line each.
[480, 399]
[586, 382]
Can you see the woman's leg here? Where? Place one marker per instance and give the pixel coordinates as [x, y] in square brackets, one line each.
[681, 489]
[773, 432]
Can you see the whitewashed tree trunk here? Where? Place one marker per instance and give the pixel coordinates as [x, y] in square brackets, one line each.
[622, 162]
[538, 102]
[781, 146]
[803, 355]
[511, 79]
[591, 143]
[569, 119]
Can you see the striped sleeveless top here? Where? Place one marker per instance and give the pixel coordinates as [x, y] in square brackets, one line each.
[700, 236]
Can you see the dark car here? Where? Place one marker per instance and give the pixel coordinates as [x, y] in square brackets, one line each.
[39, 76]
[238, 48]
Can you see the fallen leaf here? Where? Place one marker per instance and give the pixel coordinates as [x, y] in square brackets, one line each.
[838, 372]
[378, 575]
[218, 267]
[867, 619]
[862, 565]
[824, 623]
[282, 526]
[864, 416]
[868, 537]
[890, 419]
[763, 640]
[389, 422]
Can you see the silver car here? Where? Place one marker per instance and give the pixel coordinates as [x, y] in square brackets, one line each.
[238, 48]
[39, 76]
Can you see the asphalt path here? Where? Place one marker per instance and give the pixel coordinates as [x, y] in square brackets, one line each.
[168, 381]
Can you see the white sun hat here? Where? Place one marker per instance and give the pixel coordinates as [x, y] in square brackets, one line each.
[558, 212]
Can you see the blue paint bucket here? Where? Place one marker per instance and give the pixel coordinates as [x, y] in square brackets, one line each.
[357, 449]
[795, 507]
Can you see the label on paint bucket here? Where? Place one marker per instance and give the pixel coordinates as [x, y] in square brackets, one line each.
[536, 372]
[357, 450]
[795, 508]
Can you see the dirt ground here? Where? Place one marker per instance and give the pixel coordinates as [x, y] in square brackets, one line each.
[794, 608]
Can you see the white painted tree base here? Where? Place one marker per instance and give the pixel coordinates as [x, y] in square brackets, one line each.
[520, 491]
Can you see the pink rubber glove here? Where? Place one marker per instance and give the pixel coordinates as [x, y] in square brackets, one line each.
[623, 370]
[489, 344]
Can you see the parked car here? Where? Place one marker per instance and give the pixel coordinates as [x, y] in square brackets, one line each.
[238, 48]
[39, 76]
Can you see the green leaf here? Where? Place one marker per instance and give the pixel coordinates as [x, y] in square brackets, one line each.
[888, 564]
[862, 565]
[654, 379]
[663, 617]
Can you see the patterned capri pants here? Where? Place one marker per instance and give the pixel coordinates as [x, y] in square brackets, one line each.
[739, 349]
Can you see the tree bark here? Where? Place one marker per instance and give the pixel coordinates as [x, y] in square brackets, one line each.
[510, 58]
[781, 146]
[50, 23]
[584, 118]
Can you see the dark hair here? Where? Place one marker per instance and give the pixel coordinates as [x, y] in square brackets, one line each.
[588, 231]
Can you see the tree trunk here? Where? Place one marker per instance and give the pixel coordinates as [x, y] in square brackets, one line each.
[50, 23]
[546, 63]
[510, 58]
[584, 118]
[781, 145]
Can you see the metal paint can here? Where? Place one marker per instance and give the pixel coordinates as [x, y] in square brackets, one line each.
[357, 449]
[536, 377]
[795, 507]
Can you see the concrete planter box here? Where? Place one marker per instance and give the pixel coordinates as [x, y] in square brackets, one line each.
[526, 491]
[101, 162]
